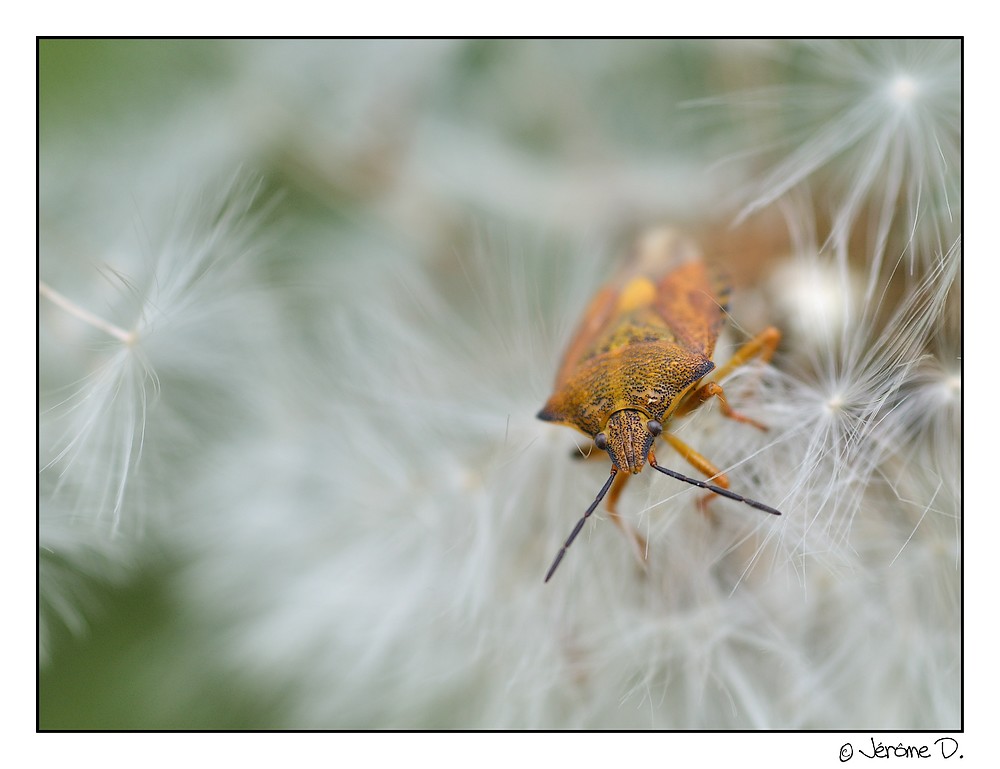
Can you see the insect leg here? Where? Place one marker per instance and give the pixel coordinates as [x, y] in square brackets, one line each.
[702, 464]
[763, 346]
[635, 538]
[714, 390]
[696, 460]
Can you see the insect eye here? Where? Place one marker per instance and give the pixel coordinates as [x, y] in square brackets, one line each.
[601, 441]
[654, 427]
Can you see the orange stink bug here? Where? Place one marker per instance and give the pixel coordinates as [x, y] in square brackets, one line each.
[638, 359]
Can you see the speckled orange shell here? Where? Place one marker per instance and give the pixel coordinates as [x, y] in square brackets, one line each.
[645, 340]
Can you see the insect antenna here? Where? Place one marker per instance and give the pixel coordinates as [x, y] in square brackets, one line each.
[717, 489]
[580, 523]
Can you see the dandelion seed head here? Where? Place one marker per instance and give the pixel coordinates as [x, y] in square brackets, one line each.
[814, 300]
[111, 432]
[835, 403]
[903, 89]
[876, 127]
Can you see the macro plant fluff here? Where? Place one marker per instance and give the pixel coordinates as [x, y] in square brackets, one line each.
[314, 447]
[140, 390]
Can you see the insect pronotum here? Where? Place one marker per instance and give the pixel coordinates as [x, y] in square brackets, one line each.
[638, 359]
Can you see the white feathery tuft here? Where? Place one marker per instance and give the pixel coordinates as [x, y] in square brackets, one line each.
[106, 437]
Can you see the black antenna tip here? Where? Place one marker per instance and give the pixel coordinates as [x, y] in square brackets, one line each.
[716, 489]
[580, 524]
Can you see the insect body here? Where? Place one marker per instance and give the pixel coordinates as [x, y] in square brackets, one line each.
[638, 359]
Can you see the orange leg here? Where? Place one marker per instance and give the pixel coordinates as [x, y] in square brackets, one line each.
[635, 538]
[697, 461]
[763, 346]
[714, 390]
[702, 464]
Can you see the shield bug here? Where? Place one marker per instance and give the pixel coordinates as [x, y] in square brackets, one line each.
[638, 359]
